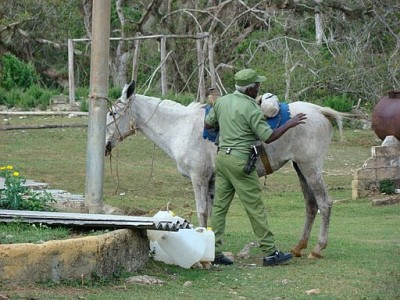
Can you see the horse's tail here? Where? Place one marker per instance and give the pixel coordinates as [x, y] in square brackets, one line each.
[336, 116]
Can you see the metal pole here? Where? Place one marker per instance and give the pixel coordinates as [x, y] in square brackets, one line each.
[99, 73]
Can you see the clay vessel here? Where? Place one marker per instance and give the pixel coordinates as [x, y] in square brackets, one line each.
[386, 116]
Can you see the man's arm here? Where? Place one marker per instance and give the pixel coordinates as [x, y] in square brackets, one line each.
[207, 126]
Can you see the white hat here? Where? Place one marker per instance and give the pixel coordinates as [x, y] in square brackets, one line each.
[269, 105]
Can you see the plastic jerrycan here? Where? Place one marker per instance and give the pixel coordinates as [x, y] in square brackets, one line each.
[155, 235]
[209, 239]
[185, 247]
[159, 253]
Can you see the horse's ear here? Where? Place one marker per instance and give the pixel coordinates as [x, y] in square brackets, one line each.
[131, 89]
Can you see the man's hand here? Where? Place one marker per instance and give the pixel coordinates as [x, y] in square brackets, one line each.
[297, 119]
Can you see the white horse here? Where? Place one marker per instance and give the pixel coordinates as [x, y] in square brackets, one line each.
[178, 129]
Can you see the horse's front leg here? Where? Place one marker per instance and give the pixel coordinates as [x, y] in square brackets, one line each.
[200, 189]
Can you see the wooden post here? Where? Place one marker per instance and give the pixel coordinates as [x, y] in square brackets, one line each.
[211, 62]
[71, 76]
[201, 94]
[164, 83]
[135, 60]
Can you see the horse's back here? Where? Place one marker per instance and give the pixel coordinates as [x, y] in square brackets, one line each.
[306, 143]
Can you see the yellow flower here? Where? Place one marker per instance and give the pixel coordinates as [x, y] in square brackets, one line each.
[2, 168]
[16, 174]
[9, 167]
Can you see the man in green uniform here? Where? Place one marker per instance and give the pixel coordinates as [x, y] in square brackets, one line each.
[241, 123]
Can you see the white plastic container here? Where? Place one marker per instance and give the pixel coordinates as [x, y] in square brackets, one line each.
[155, 235]
[159, 254]
[185, 247]
[209, 238]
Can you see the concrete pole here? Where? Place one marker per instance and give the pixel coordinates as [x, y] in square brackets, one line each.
[99, 73]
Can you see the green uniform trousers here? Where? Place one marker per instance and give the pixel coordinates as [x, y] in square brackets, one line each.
[231, 178]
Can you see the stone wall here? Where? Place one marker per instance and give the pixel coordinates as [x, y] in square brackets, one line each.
[78, 258]
[384, 164]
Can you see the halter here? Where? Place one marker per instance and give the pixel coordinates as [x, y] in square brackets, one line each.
[116, 116]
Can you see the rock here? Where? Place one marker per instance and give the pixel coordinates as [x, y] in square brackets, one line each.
[313, 292]
[144, 279]
[187, 284]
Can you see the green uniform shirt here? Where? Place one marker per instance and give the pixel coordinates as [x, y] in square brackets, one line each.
[240, 121]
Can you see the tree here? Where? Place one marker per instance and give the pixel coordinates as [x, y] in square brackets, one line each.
[308, 49]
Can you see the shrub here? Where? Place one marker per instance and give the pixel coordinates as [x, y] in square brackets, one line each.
[387, 186]
[3, 96]
[19, 197]
[114, 93]
[16, 73]
[13, 97]
[182, 98]
[340, 103]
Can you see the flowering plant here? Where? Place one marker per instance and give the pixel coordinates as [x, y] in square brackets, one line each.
[15, 195]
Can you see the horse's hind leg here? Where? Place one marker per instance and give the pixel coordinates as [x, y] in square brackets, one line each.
[316, 197]
[311, 211]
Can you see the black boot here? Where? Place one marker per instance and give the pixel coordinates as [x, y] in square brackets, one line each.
[221, 259]
[277, 258]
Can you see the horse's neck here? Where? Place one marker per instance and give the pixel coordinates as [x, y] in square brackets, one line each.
[159, 122]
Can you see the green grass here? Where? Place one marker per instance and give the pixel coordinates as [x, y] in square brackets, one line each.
[16, 232]
[362, 260]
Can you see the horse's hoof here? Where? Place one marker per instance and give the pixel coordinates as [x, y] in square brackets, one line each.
[296, 253]
[314, 255]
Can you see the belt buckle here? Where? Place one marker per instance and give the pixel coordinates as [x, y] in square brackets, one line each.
[228, 150]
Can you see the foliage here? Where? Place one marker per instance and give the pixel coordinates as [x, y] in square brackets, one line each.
[34, 97]
[340, 103]
[15, 73]
[19, 197]
[387, 186]
[41, 96]
[114, 93]
[182, 98]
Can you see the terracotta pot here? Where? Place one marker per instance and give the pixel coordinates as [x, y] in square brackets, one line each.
[386, 116]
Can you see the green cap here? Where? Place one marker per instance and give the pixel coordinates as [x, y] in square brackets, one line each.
[248, 76]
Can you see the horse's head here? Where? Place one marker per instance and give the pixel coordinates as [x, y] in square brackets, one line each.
[120, 122]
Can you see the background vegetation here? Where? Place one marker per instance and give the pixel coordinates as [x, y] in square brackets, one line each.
[361, 261]
[317, 51]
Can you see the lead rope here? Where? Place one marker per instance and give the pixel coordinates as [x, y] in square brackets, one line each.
[117, 181]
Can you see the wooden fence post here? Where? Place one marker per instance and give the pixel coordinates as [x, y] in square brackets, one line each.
[71, 75]
[164, 83]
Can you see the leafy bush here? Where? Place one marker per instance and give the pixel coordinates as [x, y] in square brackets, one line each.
[182, 98]
[19, 197]
[340, 103]
[13, 97]
[3, 97]
[114, 93]
[16, 73]
[387, 186]
[41, 97]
